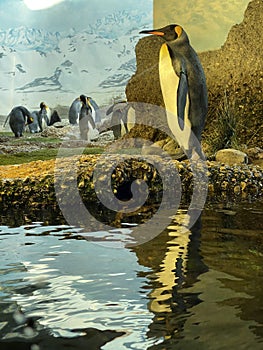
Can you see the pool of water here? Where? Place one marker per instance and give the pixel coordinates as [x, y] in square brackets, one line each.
[184, 289]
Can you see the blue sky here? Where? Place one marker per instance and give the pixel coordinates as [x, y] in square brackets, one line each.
[67, 14]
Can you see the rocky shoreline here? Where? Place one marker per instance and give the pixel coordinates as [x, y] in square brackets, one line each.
[43, 184]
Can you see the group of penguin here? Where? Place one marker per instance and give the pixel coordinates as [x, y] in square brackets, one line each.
[183, 86]
[83, 112]
[36, 121]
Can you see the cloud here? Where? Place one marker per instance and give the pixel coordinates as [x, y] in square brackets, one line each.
[41, 4]
[66, 14]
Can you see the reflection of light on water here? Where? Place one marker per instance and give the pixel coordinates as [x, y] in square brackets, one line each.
[75, 284]
[173, 266]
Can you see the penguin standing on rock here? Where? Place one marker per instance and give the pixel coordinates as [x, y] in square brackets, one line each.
[19, 117]
[85, 117]
[183, 86]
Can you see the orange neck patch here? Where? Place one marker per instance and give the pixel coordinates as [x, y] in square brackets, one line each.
[178, 30]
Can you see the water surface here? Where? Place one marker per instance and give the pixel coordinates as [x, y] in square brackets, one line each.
[198, 289]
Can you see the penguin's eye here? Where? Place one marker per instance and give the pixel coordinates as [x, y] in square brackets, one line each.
[178, 30]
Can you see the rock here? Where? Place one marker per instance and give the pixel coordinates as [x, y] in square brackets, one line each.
[254, 153]
[52, 131]
[231, 156]
[256, 156]
[153, 149]
[167, 146]
[61, 124]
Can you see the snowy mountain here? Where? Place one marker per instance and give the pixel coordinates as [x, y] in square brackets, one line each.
[37, 65]
[24, 39]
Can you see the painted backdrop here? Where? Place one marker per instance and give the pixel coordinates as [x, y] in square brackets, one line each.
[56, 53]
[73, 47]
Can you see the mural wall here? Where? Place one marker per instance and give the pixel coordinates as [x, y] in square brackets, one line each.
[57, 53]
[54, 54]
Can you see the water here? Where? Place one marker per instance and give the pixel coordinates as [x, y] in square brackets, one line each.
[198, 289]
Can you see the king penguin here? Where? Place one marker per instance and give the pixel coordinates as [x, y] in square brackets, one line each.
[183, 87]
[85, 117]
[75, 108]
[44, 116]
[19, 117]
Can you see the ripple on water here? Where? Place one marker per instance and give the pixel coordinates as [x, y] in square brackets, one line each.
[182, 289]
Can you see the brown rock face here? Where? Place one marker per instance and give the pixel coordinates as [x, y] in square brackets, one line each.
[236, 71]
[144, 85]
[234, 76]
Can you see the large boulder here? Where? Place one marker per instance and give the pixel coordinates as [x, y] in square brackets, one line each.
[231, 156]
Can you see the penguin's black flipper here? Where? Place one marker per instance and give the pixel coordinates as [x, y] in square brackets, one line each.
[6, 120]
[182, 92]
[96, 109]
[91, 120]
[110, 110]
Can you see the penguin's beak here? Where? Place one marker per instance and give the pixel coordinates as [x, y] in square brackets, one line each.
[152, 31]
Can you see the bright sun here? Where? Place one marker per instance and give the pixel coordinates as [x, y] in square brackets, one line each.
[41, 4]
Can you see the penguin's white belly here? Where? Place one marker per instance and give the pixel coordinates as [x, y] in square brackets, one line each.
[130, 121]
[93, 133]
[169, 82]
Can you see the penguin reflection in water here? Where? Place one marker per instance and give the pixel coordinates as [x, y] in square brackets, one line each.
[183, 87]
[85, 118]
[19, 117]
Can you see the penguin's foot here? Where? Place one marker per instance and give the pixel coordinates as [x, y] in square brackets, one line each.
[179, 154]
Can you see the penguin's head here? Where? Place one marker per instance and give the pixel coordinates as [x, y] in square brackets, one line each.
[83, 99]
[43, 105]
[172, 32]
[30, 119]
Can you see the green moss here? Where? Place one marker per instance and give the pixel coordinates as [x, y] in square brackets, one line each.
[49, 148]
[26, 157]
[43, 154]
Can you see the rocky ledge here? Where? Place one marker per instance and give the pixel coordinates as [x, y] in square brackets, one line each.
[46, 184]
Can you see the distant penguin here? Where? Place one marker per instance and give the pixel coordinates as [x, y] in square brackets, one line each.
[19, 117]
[34, 126]
[55, 118]
[43, 116]
[183, 86]
[119, 118]
[85, 118]
[74, 110]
